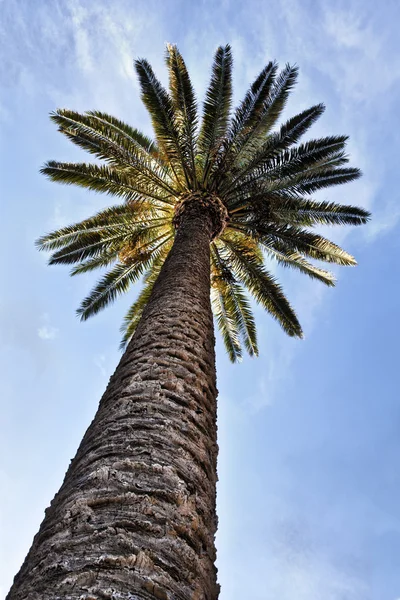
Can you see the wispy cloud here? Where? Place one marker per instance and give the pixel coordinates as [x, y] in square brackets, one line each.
[100, 362]
[47, 333]
[364, 63]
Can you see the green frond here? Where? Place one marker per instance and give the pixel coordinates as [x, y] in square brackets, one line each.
[296, 126]
[107, 220]
[225, 322]
[89, 245]
[287, 258]
[185, 106]
[270, 152]
[264, 288]
[311, 179]
[107, 139]
[132, 134]
[298, 185]
[105, 179]
[107, 128]
[246, 116]
[246, 321]
[316, 151]
[114, 283]
[216, 111]
[307, 183]
[272, 109]
[93, 244]
[270, 164]
[310, 212]
[91, 264]
[161, 110]
[305, 242]
[106, 233]
[313, 157]
[234, 301]
[244, 241]
[276, 102]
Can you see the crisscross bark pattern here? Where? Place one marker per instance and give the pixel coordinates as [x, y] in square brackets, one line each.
[135, 517]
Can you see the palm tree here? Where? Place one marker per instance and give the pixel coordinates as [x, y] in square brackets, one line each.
[205, 205]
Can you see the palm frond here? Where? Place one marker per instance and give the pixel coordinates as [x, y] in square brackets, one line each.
[114, 283]
[270, 153]
[310, 212]
[246, 320]
[272, 109]
[291, 131]
[287, 258]
[279, 94]
[185, 106]
[161, 110]
[276, 150]
[246, 116]
[216, 110]
[131, 134]
[248, 113]
[226, 324]
[233, 300]
[104, 259]
[107, 220]
[300, 240]
[261, 284]
[317, 150]
[283, 209]
[101, 178]
[107, 139]
[270, 164]
[315, 180]
[92, 244]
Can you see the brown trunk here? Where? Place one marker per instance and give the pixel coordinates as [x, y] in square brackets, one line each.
[135, 517]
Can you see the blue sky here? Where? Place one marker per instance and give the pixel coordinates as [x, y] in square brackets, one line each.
[309, 490]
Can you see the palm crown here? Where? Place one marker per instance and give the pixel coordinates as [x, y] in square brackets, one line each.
[258, 173]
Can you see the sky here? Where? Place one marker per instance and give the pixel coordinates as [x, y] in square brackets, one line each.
[309, 433]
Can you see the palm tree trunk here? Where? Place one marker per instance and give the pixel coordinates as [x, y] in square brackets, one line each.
[135, 517]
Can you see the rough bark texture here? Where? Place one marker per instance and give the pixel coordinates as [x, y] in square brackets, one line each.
[135, 517]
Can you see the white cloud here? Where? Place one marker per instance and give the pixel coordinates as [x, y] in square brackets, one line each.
[100, 361]
[47, 333]
[264, 394]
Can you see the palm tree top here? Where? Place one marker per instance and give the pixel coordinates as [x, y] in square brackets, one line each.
[256, 177]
